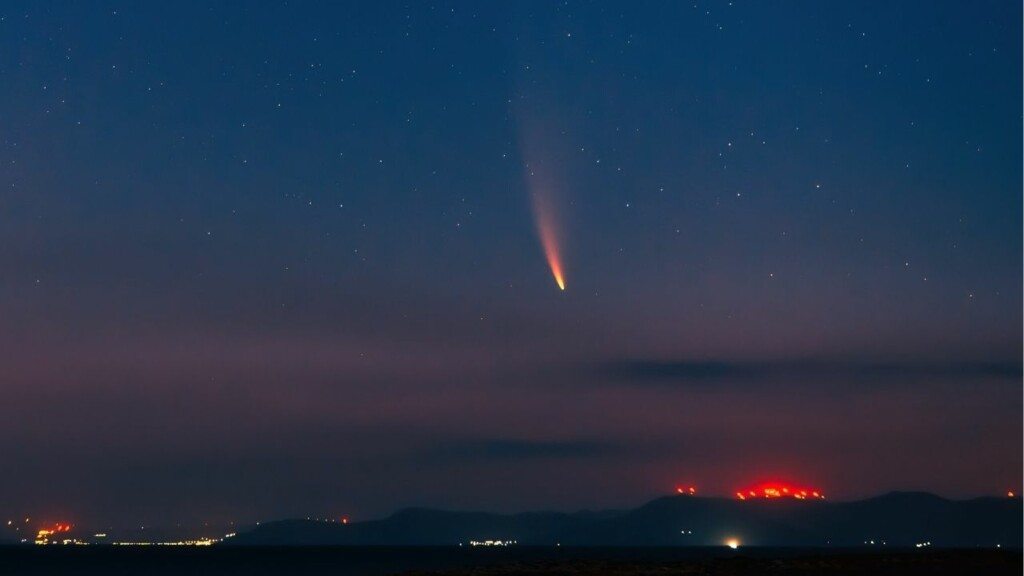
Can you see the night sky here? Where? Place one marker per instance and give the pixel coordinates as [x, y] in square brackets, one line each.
[261, 260]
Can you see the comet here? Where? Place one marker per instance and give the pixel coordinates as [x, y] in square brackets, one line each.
[544, 165]
[547, 231]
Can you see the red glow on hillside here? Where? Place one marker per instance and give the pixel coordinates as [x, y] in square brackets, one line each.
[44, 534]
[780, 490]
[690, 490]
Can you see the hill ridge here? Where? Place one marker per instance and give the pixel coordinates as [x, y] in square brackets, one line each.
[895, 518]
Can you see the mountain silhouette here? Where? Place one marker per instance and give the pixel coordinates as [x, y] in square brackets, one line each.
[898, 519]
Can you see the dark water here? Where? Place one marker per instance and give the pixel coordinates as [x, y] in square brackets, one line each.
[349, 561]
[341, 561]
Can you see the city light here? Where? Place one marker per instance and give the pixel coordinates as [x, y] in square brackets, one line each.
[492, 542]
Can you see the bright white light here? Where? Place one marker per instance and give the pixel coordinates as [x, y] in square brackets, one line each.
[732, 543]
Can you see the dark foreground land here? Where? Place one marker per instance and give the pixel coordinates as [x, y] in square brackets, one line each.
[527, 561]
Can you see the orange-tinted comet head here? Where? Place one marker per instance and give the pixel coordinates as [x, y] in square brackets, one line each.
[543, 162]
[549, 238]
[551, 253]
[558, 278]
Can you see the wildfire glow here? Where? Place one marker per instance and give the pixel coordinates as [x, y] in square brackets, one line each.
[776, 490]
[44, 534]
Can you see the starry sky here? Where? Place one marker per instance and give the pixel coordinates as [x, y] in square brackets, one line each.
[283, 259]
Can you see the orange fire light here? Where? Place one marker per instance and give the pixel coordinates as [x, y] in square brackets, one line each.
[777, 490]
[44, 533]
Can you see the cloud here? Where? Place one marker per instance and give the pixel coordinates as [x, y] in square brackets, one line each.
[644, 372]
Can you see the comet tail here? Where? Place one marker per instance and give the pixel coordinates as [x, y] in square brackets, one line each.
[546, 229]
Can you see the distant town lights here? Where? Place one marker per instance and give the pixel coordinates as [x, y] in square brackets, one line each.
[492, 543]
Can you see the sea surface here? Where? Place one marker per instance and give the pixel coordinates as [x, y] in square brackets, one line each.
[381, 560]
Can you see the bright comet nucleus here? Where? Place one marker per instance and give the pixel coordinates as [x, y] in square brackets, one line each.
[547, 231]
[544, 166]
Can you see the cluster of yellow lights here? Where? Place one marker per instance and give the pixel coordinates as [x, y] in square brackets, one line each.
[198, 542]
[491, 542]
[50, 536]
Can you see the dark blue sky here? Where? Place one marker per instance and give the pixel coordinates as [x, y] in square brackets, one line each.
[264, 259]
